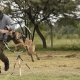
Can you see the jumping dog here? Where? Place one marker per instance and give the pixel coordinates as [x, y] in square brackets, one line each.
[20, 40]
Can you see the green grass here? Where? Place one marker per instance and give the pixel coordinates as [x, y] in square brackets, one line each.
[44, 76]
[60, 63]
[59, 44]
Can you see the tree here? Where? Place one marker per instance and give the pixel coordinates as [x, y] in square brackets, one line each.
[38, 11]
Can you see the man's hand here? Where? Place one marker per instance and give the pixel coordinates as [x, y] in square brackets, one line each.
[4, 31]
[7, 28]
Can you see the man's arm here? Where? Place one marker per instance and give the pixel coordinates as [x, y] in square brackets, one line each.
[4, 31]
[10, 23]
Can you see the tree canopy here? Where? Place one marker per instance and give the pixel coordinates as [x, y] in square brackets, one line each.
[40, 11]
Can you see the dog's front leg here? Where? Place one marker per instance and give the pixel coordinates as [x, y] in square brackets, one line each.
[19, 45]
[16, 47]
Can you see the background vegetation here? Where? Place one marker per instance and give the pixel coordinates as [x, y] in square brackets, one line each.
[37, 15]
[55, 30]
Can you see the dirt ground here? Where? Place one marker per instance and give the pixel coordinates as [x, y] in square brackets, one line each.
[59, 63]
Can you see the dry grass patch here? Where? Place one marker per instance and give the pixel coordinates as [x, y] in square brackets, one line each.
[52, 65]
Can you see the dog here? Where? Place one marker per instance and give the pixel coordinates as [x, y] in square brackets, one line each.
[20, 40]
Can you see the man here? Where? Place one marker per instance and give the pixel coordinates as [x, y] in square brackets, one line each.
[5, 21]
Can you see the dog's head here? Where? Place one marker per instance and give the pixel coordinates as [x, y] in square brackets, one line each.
[15, 34]
[12, 34]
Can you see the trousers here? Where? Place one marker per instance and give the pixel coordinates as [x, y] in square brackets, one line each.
[3, 57]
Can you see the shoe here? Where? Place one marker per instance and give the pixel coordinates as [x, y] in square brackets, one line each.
[6, 66]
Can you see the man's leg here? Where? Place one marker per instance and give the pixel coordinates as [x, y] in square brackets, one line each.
[3, 57]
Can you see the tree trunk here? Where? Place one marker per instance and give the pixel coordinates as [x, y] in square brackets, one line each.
[33, 34]
[27, 34]
[41, 36]
[51, 35]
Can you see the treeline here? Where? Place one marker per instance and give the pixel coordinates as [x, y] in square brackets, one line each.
[68, 32]
[59, 32]
[37, 12]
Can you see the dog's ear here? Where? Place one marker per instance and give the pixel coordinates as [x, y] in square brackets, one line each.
[13, 33]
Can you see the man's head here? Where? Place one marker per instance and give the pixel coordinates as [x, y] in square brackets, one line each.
[1, 13]
[0, 8]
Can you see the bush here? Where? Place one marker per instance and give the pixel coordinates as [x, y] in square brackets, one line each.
[73, 36]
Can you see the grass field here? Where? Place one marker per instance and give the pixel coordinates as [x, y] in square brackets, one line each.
[53, 65]
[60, 44]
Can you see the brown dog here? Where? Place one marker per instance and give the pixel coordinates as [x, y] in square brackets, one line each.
[19, 40]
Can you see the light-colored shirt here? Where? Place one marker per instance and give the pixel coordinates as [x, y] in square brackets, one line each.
[6, 21]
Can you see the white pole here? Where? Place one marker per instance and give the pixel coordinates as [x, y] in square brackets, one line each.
[0, 69]
[20, 67]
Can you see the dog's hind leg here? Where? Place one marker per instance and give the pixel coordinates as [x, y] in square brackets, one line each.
[31, 56]
[36, 55]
